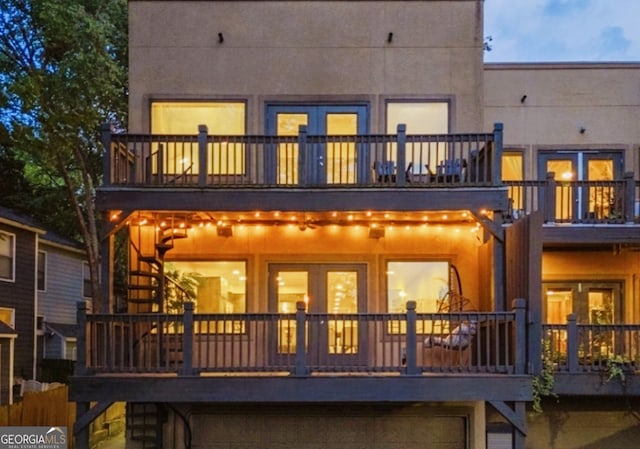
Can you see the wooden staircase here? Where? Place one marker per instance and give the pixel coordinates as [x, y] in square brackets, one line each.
[146, 283]
[144, 425]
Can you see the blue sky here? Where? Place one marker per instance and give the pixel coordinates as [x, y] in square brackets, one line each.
[562, 30]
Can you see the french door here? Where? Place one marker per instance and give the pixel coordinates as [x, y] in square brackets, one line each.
[593, 303]
[322, 162]
[332, 295]
[578, 202]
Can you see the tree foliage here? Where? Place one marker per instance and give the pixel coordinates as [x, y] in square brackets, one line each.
[62, 73]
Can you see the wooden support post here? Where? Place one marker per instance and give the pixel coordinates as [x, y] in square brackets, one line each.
[82, 433]
[401, 153]
[629, 198]
[187, 341]
[106, 271]
[572, 343]
[520, 309]
[106, 130]
[549, 205]
[202, 155]
[81, 339]
[412, 340]
[496, 160]
[304, 164]
[301, 368]
[520, 433]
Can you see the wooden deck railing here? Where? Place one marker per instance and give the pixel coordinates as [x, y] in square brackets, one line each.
[203, 160]
[583, 348]
[578, 202]
[302, 343]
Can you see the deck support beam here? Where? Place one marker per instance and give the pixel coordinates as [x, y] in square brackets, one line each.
[85, 414]
[518, 419]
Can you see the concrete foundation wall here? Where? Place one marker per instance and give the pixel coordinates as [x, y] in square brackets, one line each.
[586, 423]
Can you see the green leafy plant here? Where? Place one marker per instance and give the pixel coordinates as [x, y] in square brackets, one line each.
[544, 382]
[616, 368]
[180, 287]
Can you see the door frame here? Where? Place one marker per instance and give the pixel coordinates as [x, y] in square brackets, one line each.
[316, 125]
[579, 197]
[318, 349]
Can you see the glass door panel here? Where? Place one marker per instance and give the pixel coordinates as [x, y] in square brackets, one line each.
[341, 155]
[342, 298]
[601, 198]
[288, 124]
[291, 288]
[564, 170]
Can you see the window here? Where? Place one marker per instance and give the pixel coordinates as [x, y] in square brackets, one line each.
[430, 117]
[8, 316]
[42, 271]
[218, 286]
[426, 283]
[183, 118]
[513, 170]
[70, 349]
[86, 280]
[7, 256]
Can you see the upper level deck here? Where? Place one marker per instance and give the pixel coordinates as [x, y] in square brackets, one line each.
[321, 173]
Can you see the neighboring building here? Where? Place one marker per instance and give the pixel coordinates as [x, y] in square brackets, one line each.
[63, 281]
[42, 279]
[18, 300]
[372, 257]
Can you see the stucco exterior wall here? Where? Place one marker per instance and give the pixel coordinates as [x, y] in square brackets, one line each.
[604, 99]
[307, 51]
[586, 423]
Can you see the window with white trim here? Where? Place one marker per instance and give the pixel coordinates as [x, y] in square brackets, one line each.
[7, 256]
[42, 271]
[8, 316]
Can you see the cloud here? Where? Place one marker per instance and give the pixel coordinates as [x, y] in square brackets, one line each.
[562, 30]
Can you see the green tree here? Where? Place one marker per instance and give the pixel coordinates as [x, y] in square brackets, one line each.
[62, 74]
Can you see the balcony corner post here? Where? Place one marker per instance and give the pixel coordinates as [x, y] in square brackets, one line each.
[401, 155]
[106, 131]
[304, 164]
[519, 306]
[572, 343]
[301, 368]
[498, 131]
[629, 198]
[202, 155]
[187, 340]
[411, 349]
[549, 206]
[81, 342]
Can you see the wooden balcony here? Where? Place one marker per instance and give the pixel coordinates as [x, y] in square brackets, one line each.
[339, 357]
[579, 211]
[302, 172]
[593, 359]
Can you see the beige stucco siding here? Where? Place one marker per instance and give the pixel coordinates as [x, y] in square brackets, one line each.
[560, 99]
[307, 48]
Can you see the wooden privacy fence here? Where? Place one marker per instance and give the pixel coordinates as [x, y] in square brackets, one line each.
[51, 408]
[42, 408]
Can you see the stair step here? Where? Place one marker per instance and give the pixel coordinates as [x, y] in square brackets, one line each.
[143, 273]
